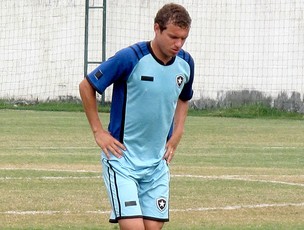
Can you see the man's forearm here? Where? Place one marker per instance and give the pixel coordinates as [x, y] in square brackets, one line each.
[88, 97]
[180, 117]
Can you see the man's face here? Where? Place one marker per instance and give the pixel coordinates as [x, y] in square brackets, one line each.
[170, 40]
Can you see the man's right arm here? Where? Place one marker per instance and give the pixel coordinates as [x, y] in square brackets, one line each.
[102, 137]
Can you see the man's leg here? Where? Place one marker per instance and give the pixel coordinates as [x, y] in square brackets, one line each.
[153, 225]
[140, 224]
[132, 224]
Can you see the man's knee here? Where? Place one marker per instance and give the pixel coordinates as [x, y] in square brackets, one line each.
[131, 224]
[153, 225]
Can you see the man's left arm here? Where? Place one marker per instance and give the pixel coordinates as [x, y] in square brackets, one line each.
[178, 129]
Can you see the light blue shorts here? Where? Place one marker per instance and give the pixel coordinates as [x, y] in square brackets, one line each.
[134, 194]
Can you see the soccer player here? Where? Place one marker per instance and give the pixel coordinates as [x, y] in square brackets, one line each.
[152, 84]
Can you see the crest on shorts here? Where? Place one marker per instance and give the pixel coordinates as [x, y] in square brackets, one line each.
[179, 80]
[161, 203]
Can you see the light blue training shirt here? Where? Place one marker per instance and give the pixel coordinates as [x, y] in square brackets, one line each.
[144, 98]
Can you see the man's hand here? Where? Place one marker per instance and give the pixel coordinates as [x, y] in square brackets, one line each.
[109, 144]
[171, 147]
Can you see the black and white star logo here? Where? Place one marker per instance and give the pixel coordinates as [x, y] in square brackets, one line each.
[179, 80]
[161, 204]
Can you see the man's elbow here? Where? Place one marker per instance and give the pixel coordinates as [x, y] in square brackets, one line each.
[83, 85]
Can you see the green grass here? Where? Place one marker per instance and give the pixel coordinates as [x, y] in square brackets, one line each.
[228, 173]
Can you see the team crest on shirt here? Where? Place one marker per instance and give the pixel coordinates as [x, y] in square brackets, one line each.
[161, 203]
[179, 80]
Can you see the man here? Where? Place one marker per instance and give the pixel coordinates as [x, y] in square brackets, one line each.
[152, 86]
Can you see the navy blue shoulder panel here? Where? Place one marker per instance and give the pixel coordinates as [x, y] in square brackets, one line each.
[140, 49]
[117, 68]
[130, 56]
[187, 91]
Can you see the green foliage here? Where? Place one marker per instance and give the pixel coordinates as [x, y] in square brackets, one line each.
[67, 106]
[244, 98]
[245, 111]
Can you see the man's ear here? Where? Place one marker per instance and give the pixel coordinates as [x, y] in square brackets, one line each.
[156, 28]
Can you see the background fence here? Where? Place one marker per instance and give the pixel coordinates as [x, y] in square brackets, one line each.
[238, 45]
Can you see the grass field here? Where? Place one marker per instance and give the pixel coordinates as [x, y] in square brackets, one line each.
[228, 173]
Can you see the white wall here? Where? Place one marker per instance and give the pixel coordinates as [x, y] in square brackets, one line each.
[238, 44]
